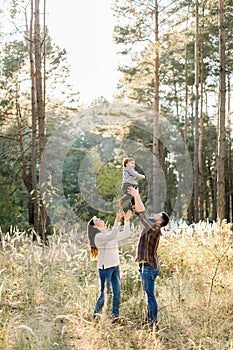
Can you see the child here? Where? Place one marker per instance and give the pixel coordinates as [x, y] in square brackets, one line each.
[129, 179]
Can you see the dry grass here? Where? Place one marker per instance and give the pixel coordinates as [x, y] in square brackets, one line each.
[47, 294]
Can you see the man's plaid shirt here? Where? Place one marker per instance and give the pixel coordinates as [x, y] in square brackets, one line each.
[148, 241]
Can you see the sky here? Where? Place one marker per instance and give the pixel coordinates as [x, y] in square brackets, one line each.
[84, 29]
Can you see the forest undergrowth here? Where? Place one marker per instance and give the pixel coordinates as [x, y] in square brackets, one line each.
[47, 293]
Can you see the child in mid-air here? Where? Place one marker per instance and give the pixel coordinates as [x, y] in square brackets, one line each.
[129, 179]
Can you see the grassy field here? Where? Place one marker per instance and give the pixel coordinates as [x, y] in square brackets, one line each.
[47, 294]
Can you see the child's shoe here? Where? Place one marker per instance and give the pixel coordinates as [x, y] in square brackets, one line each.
[120, 203]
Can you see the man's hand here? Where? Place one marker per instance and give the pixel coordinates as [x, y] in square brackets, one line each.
[128, 215]
[133, 191]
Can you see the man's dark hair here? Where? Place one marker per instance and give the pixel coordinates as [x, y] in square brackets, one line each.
[165, 219]
[91, 222]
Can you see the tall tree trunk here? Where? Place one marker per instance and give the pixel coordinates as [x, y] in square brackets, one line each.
[196, 122]
[186, 97]
[44, 55]
[221, 129]
[156, 199]
[201, 129]
[26, 177]
[41, 120]
[34, 193]
[44, 99]
[215, 181]
[230, 195]
[189, 213]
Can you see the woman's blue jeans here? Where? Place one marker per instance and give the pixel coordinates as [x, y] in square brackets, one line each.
[110, 276]
[148, 275]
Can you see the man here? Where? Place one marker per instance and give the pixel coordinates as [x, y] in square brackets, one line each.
[146, 254]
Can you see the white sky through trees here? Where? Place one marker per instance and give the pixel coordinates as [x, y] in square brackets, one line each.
[85, 29]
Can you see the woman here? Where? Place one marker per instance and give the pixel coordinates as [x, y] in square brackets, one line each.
[104, 248]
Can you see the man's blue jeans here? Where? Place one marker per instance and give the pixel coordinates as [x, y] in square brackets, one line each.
[148, 275]
[110, 276]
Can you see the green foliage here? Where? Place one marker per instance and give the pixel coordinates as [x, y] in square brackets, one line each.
[16, 102]
[14, 58]
[11, 207]
[176, 53]
[135, 35]
[108, 177]
[14, 197]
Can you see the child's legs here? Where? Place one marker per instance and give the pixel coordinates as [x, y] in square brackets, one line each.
[132, 199]
[127, 196]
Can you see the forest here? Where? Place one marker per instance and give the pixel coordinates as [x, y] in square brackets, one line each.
[172, 112]
[177, 62]
[61, 163]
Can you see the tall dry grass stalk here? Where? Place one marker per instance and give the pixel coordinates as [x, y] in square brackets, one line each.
[47, 293]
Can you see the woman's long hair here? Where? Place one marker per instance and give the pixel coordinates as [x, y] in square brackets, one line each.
[91, 232]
